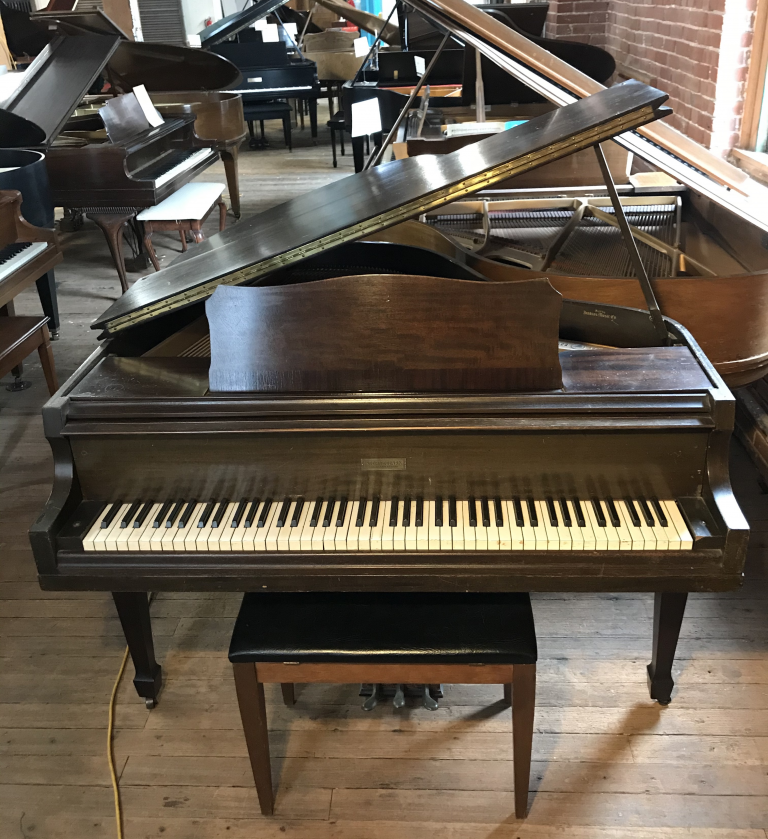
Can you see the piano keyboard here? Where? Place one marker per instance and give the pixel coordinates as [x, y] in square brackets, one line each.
[276, 90]
[187, 163]
[396, 524]
[12, 257]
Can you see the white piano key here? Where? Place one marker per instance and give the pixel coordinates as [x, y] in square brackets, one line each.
[89, 540]
[505, 533]
[422, 532]
[329, 532]
[601, 534]
[445, 532]
[575, 533]
[221, 536]
[675, 517]
[147, 530]
[587, 529]
[528, 533]
[636, 535]
[622, 532]
[481, 532]
[166, 541]
[493, 531]
[340, 542]
[539, 529]
[666, 531]
[260, 534]
[611, 533]
[242, 536]
[377, 531]
[470, 531]
[364, 532]
[353, 531]
[411, 532]
[284, 533]
[516, 535]
[190, 533]
[458, 532]
[659, 534]
[204, 532]
[564, 533]
[388, 530]
[294, 538]
[308, 529]
[117, 538]
[398, 537]
[318, 532]
[552, 530]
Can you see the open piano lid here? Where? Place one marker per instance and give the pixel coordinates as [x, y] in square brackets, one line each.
[232, 24]
[53, 86]
[560, 83]
[379, 198]
[159, 67]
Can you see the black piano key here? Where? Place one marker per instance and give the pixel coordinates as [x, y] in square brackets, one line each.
[283, 514]
[188, 510]
[315, 517]
[162, 513]
[221, 511]
[250, 516]
[472, 511]
[646, 511]
[264, 512]
[393, 510]
[659, 512]
[580, 520]
[237, 518]
[298, 510]
[599, 514]
[362, 506]
[498, 509]
[407, 511]
[129, 516]
[143, 513]
[565, 513]
[375, 504]
[532, 516]
[175, 512]
[519, 520]
[630, 505]
[485, 512]
[552, 510]
[342, 514]
[452, 517]
[439, 511]
[329, 511]
[206, 514]
[613, 513]
[111, 513]
[419, 512]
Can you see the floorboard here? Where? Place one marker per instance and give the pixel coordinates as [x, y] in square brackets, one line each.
[607, 762]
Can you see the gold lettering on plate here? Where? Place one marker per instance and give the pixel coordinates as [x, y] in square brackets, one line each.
[391, 464]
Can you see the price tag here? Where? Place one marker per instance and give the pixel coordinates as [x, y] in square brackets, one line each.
[269, 33]
[419, 65]
[291, 29]
[361, 47]
[366, 118]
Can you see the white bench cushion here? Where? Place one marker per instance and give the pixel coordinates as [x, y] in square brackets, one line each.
[192, 201]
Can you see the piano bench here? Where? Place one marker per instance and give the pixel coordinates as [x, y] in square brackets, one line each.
[20, 336]
[184, 211]
[262, 111]
[336, 123]
[413, 638]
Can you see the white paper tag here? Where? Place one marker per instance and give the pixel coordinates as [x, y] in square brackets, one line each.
[260, 24]
[194, 41]
[154, 118]
[270, 34]
[419, 65]
[361, 47]
[366, 118]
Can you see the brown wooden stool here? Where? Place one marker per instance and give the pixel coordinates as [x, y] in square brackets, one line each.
[408, 638]
[19, 337]
[185, 211]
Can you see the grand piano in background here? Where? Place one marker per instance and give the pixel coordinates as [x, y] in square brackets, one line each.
[614, 459]
[269, 71]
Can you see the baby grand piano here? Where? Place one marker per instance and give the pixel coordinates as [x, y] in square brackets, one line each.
[378, 417]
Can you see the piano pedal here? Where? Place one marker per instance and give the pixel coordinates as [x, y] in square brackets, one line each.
[428, 694]
[399, 699]
[373, 699]
[429, 702]
[17, 385]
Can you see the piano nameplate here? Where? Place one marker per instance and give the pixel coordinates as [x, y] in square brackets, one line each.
[383, 464]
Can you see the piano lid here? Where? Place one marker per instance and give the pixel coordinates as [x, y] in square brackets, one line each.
[379, 198]
[560, 83]
[232, 24]
[53, 86]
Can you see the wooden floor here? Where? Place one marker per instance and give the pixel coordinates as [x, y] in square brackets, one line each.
[607, 761]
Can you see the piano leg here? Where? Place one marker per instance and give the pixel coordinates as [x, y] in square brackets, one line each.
[46, 290]
[229, 156]
[668, 610]
[133, 611]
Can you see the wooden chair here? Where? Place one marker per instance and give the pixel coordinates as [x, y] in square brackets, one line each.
[408, 638]
[19, 337]
[184, 211]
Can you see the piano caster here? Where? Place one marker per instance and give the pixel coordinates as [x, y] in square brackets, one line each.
[54, 334]
[18, 385]
[150, 703]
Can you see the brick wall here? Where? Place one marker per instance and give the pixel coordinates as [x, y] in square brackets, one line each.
[674, 45]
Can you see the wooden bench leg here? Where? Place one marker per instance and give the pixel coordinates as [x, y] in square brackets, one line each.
[523, 707]
[148, 245]
[46, 359]
[253, 712]
[288, 695]
[222, 214]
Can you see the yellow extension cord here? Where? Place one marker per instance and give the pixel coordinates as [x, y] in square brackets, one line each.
[110, 749]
